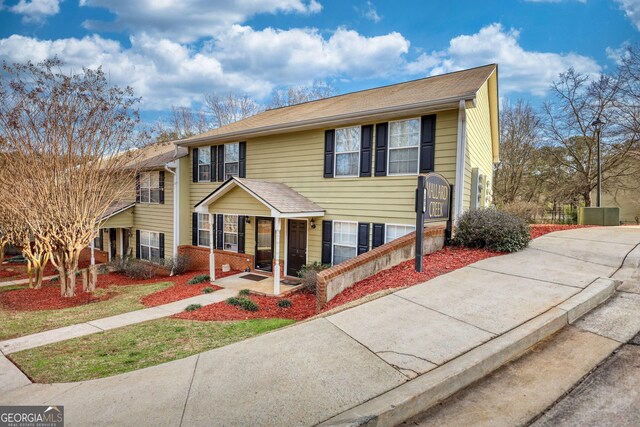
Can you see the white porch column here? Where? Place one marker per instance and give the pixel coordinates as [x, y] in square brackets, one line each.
[212, 257]
[93, 255]
[276, 267]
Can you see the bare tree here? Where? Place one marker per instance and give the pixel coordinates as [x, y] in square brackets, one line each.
[299, 94]
[231, 107]
[183, 122]
[577, 101]
[517, 177]
[67, 155]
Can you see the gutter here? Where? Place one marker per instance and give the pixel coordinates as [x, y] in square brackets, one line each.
[461, 152]
[333, 120]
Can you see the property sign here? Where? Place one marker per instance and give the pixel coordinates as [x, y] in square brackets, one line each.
[433, 203]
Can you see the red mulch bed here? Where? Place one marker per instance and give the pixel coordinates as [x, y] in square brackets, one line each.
[538, 230]
[182, 290]
[5, 273]
[303, 305]
[444, 261]
[47, 298]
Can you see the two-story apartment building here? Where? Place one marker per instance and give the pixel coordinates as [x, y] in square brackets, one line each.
[321, 181]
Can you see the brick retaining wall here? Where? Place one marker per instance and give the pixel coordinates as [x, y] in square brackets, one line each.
[332, 281]
[199, 258]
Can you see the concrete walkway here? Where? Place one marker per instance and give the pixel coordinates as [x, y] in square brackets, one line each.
[125, 319]
[378, 363]
[22, 281]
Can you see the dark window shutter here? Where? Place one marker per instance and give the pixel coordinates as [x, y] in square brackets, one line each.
[241, 225]
[137, 188]
[329, 148]
[195, 165]
[378, 235]
[220, 163]
[381, 149]
[366, 139]
[427, 143]
[161, 182]
[137, 243]
[194, 229]
[219, 231]
[363, 237]
[161, 241]
[242, 165]
[327, 236]
[212, 168]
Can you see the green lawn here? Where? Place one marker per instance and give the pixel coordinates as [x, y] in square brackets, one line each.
[19, 323]
[134, 347]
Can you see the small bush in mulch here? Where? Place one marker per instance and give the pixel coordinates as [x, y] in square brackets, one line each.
[244, 292]
[244, 303]
[200, 278]
[233, 301]
[493, 230]
[193, 307]
[207, 290]
[308, 274]
[303, 306]
[284, 303]
[137, 269]
[54, 279]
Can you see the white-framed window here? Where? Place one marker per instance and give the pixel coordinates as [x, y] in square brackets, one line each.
[149, 245]
[230, 239]
[204, 230]
[231, 160]
[204, 164]
[345, 241]
[404, 147]
[150, 187]
[348, 151]
[393, 231]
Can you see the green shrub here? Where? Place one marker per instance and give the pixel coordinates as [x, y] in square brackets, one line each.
[244, 303]
[244, 292]
[284, 303]
[200, 278]
[309, 272]
[207, 290]
[492, 229]
[193, 307]
[54, 279]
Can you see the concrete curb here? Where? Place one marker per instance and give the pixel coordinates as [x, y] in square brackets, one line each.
[417, 395]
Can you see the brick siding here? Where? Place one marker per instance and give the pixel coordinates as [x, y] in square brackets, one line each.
[199, 258]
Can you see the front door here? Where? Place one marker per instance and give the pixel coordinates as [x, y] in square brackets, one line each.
[126, 233]
[264, 244]
[112, 243]
[297, 250]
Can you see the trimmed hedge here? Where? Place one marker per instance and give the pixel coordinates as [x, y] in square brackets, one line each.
[492, 229]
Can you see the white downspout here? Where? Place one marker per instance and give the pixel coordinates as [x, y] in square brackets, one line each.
[461, 151]
[176, 205]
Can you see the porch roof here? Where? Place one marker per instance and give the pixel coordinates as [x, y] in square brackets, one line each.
[280, 199]
[112, 218]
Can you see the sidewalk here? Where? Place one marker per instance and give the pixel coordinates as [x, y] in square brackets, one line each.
[22, 281]
[378, 363]
[125, 319]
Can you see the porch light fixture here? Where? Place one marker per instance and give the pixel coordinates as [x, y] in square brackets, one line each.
[247, 219]
[312, 223]
[597, 124]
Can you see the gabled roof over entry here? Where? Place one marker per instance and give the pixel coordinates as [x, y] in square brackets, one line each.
[280, 199]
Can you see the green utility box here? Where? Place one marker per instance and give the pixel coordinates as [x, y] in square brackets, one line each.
[599, 216]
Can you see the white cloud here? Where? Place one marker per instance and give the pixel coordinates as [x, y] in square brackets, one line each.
[167, 73]
[188, 20]
[371, 13]
[520, 70]
[631, 9]
[36, 10]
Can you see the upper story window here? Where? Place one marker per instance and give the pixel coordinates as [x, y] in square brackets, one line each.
[231, 160]
[230, 242]
[204, 164]
[348, 151]
[404, 147]
[204, 230]
[345, 241]
[393, 232]
[150, 187]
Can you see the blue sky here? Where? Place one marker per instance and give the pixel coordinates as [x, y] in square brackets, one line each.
[172, 52]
